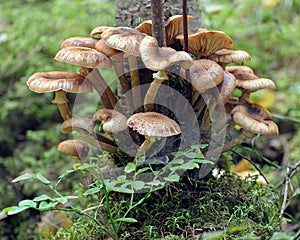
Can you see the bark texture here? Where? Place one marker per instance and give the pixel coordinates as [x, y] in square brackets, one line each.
[131, 13]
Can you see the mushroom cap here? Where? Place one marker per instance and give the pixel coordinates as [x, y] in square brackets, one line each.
[112, 120]
[145, 27]
[227, 86]
[153, 124]
[204, 74]
[80, 124]
[79, 41]
[229, 56]
[253, 85]
[114, 54]
[125, 39]
[174, 26]
[204, 42]
[75, 148]
[54, 81]
[158, 58]
[83, 56]
[99, 30]
[254, 118]
[239, 69]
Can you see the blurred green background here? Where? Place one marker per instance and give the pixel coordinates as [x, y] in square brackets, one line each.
[30, 35]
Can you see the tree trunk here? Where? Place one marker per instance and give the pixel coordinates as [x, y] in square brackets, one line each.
[131, 13]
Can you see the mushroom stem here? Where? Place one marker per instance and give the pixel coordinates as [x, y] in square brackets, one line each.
[108, 98]
[144, 147]
[236, 140]
[62, 103]
[135, 81]
[151, 94]
[118, 67]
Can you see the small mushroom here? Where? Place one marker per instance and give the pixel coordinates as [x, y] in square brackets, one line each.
[79, 41]
[85, 127]
[226, 87]
[153, 126]
[254, 118]
[127, 40]
[253, 85]
[82, 56]
[173, 27]
[60, 83]
[89, 60]
[75, 148]
[159, 59]
[226, 56]
[203, 43]
[204, 74]
[239, 69]
[111, 120]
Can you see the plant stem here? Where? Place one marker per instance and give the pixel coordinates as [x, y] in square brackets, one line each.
[158, 26]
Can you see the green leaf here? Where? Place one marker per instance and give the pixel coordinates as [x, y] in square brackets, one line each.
[47, 205]
[91, 191]
[199, 146]
[281, 236]
[16, 209]
[203, 161]
[27, 203]
[41, 178]
[172, 178]
[193, 155]
[86, 166]
[7, 209]
[122, 190]
[41, 198]
[177, 161]
[138, 185]
[130, 167]
[129, 220]
[66, 173]
[142, 170]
[213, 235]
[23, 177]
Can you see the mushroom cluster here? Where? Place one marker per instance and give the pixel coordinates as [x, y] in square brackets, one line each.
[202, 75]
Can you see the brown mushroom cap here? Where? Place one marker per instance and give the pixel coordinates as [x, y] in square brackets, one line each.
[112, 120]
[79, 41]
[114, 54]
[145, 27]
[230, 56]
[83, 56]
[80, 124]
[254, 118]
[173, 27]
[239, 69]
[124, 39]
[99, 30]
[153, 124]
[75, 148]
[204, 43]
[204, 74]
[54, 81]
[256, 84]
[156, 58]
[227, 86]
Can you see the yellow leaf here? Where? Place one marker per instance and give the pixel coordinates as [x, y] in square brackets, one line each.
[241, 166]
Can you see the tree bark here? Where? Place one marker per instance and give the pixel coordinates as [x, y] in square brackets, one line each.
[131, 13]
